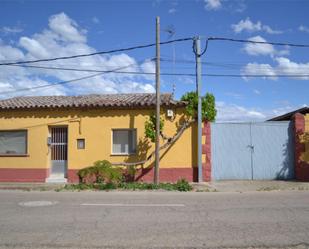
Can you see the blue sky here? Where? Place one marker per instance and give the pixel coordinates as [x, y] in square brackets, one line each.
[44, 29]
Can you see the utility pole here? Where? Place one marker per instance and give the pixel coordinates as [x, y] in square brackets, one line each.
[157, 155]
[197, 46]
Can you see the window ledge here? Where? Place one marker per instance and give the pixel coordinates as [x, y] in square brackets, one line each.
[14, 155]
[123, 154]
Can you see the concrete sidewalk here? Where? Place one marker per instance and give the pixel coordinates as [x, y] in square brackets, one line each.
[30, 186]
[215, 186]
[249, 186]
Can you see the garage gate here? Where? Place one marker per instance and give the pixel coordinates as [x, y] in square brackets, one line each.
[252, 151]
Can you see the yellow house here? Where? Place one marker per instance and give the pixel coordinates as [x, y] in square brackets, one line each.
[49, 138]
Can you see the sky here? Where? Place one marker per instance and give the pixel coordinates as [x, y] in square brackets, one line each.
[32, 30]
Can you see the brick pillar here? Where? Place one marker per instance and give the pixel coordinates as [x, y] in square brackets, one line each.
[301, 167]
[206, 150]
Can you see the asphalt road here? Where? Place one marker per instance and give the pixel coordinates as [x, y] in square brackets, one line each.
[153, 219]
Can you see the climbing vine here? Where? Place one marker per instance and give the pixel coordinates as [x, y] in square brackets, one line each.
[209, 111]
[150, 127]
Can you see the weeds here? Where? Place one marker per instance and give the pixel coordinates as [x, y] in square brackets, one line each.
[180, 185]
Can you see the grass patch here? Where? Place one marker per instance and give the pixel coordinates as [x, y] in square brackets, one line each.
[207, 190]
[272, 188]
[180, 185]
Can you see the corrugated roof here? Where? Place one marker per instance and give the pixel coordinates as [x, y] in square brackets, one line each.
[130, 100]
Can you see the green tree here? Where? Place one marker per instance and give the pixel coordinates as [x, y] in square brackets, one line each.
[209, 111]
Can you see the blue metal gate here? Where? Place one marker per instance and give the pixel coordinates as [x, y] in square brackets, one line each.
[252, 151]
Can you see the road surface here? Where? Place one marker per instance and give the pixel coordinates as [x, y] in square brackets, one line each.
[153, 219]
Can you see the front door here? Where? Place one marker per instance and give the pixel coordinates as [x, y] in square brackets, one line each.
[59, 151]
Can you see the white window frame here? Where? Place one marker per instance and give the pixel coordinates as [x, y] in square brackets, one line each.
[17, 154]
[112, 142]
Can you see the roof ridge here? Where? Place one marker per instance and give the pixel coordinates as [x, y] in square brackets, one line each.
[119, 100]
[91, 94]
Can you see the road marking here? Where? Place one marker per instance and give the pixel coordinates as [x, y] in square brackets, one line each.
[131, 205]
[37, 203]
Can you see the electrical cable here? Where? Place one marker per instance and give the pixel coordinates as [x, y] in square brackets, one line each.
[257, 42]
[96, 53]
[67, 81]
[166, 74]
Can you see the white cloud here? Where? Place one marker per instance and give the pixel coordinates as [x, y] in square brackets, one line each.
[234, 95]
[241, 7]
[271, 31]
[172, 11]
[281, 110]
[213, 4]
[232, 112]
[10, 30]
[95, 20]
[9, 53]
[246, 25]
[34, 47]
[263, 49]
[229, 112]
[249, 26]
[66, 28]
[284, 67]
[259, 69]
[149, 67]
[303, 28]
[69, 39]
[258, 48]
[257, 92]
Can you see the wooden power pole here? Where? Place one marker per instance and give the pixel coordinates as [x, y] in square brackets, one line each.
[157, 155]
[197, 45]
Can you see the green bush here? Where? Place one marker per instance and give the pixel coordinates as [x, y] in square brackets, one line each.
[100, 172]
[183, 185]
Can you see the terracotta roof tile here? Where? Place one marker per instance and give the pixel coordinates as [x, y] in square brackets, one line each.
[130, 100]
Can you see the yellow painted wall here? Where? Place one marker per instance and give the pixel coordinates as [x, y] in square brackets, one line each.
[95, 127]
[307, 122]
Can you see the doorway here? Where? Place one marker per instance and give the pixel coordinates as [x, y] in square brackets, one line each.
[59, 152]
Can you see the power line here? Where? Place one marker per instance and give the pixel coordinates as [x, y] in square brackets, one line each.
[165, 74]
[66, 81]
[219, 65]
[258, 42]
[259, 75]
[116, 71]
[224, 65]
[96, 53]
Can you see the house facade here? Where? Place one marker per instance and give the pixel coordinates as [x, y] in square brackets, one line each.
[49, 138]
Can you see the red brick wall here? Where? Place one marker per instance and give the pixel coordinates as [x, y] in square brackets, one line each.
[301, 167]
[23, 175]
[146, 175]
[207, 152]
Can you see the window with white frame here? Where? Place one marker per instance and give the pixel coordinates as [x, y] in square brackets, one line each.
[123, 141]
[13, 142]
